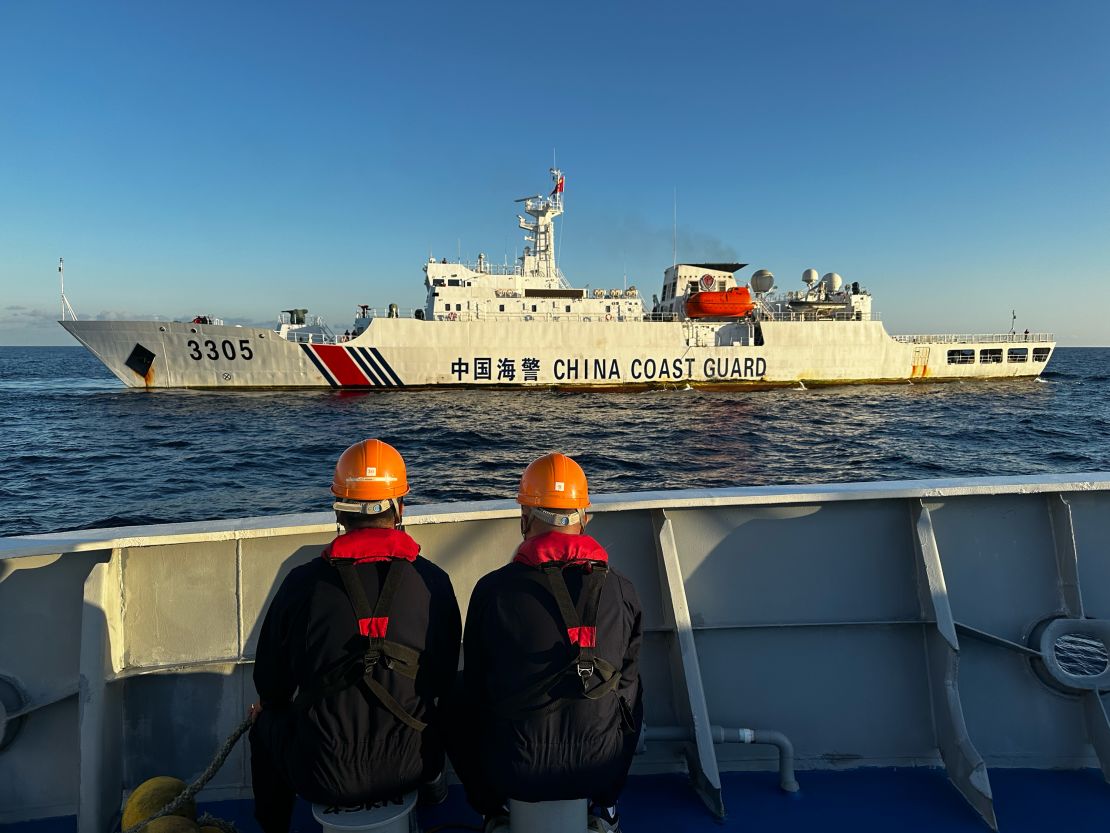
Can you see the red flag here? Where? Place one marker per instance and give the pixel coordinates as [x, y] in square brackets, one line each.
[558, 186]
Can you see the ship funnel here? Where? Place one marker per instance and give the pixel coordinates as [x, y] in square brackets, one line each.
[809, 277]
[762, 281]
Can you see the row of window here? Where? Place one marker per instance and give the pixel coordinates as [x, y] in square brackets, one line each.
[993, 355]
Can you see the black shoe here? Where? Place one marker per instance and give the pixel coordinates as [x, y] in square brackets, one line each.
[496, 823]
[432, 792]
[604, 820]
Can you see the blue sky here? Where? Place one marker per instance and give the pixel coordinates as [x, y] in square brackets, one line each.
[235, 159]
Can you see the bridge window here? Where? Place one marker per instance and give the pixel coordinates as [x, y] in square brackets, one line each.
[990, 356]
[961, 357]
[1017, 354]
[454, 283]
[1040, 354]
[458, 307]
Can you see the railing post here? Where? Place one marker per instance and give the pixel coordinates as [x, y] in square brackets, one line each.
[966, 768]
[701, 757]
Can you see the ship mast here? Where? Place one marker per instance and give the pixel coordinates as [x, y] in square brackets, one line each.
[65, 301]
[539, 259]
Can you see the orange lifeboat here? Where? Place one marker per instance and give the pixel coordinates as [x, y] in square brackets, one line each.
[731, 303]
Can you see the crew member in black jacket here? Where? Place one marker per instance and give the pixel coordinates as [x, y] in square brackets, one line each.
[551, 677]
[355, 650]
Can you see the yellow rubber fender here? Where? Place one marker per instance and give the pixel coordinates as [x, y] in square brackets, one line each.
[150, 797]
[171, 824]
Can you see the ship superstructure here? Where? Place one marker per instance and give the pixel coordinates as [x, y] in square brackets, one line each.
[524, 325]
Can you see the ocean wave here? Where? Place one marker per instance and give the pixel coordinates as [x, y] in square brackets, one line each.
[123, 459]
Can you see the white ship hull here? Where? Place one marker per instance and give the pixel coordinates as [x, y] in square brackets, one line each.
[409, 353]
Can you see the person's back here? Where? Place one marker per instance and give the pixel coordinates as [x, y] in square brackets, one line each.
[551, 651]
[354, 651]
[554, 743]
[346, 747]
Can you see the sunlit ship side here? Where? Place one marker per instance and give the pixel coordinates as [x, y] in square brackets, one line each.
[524, 325]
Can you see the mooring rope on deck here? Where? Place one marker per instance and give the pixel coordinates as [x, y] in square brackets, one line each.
[190, 791]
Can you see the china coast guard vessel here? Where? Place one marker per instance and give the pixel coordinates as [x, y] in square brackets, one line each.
[524, 325]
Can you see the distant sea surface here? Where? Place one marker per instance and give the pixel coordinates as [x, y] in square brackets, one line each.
[81, 451]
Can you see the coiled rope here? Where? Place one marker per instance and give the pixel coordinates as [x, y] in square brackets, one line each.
[187, 794]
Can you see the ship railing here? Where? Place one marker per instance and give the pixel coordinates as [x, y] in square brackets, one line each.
[298, 337]
[975, 338]
[374, 312]
[486, 268]
[846, 315]
[589, 317]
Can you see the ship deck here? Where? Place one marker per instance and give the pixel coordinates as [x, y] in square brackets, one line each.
[936, 652]
[863, 801]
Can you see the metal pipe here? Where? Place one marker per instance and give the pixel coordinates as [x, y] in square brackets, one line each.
[721, 734]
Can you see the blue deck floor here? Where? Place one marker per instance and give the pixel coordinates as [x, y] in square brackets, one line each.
[879, 800]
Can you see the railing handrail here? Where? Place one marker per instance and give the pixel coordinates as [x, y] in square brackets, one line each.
[848, 315]
[976, 338]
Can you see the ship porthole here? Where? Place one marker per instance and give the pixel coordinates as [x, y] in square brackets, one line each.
[161, 329]
[192, 329]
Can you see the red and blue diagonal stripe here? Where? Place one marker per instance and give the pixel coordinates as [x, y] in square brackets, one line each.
[346, 366]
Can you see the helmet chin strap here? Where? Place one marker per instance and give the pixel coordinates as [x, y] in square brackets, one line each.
[375, 507]
[557, 519]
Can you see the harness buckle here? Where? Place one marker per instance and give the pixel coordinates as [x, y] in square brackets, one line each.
[585, 671]
[370, 658]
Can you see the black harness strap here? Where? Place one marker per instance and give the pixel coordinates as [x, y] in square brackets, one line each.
[583, 635]
[357, 668]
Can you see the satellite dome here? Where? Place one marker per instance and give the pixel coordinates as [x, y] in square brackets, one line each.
[762, 281]
[833, 281]
[809, 277]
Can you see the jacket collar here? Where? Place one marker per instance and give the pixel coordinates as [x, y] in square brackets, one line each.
[364, 545]
[560, 547]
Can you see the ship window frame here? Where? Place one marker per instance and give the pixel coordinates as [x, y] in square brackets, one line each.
[568, 307]
[990, 355]
[1017, 355]
[533, 307]
[961, 356]
[501, 308]
[458, 307]
[1041, 354]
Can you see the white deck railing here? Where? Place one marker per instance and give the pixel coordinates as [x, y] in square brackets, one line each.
[975, 338]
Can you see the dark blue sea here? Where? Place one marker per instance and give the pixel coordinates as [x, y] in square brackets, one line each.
[82, 451]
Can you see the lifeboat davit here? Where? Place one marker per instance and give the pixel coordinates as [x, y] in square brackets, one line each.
[731, 303]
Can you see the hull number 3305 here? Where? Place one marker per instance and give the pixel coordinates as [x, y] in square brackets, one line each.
[225, 349]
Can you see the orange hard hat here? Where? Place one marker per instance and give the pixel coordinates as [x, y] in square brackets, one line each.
[370, 470]
[554, 481]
